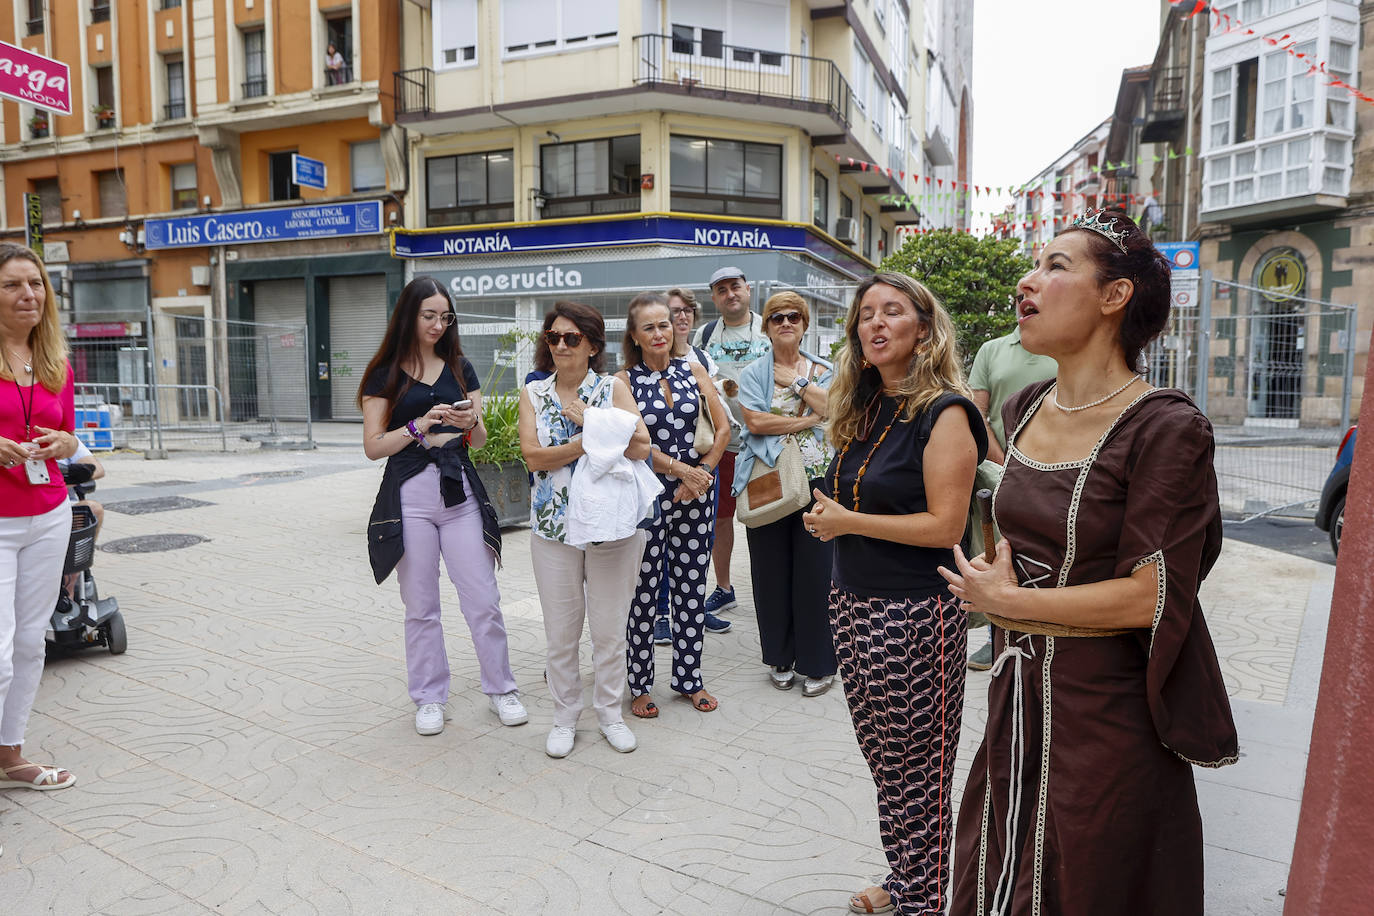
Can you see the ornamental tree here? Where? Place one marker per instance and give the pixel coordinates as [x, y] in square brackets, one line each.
[973, 277]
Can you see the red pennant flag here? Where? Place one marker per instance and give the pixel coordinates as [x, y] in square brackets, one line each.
[927, 179]
[940, 182]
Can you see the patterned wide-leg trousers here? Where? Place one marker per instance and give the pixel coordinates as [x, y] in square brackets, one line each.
[903, 668]
[678, 546]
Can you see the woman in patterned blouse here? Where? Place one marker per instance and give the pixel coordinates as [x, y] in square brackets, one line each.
[595, 582]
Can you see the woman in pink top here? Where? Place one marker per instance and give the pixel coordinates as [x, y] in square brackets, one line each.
[36, 423]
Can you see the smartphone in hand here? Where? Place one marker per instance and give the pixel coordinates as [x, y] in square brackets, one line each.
[462, 405]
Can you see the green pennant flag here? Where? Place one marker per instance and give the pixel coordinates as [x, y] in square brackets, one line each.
[1188, 151]
[1173, 155]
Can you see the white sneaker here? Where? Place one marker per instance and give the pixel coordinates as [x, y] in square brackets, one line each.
[429, 719]
[619, 736]
[509, 708]
[560, 741]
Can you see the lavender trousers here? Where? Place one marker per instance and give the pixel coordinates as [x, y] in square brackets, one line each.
[430, 529]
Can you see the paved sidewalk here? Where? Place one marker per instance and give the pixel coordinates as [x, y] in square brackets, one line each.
[254, 751]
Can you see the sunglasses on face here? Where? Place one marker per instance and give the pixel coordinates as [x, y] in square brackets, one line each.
[447, 318]
[571, 338]
[779, 318]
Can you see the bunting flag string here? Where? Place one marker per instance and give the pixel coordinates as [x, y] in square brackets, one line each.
[1284, 42]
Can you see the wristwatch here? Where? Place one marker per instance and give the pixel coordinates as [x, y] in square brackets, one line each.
[799, 384]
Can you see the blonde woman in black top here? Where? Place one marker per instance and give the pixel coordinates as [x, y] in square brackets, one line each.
[908, 440]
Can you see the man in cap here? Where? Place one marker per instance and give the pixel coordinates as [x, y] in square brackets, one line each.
[733, 340]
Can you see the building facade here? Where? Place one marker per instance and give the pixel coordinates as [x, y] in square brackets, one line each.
[1247, 135]
[1286, 208]
[187, 111]
[638, 145]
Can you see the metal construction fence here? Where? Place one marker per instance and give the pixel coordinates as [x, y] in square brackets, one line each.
[1274, 373]
[194, 383]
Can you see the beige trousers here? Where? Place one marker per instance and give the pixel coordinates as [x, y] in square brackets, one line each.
[595, 585]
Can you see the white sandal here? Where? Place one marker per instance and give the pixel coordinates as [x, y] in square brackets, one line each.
[45, 782]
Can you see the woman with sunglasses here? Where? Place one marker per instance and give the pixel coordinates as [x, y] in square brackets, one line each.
[592, 583]
[670, 392]
[785, 396]
[422, 410]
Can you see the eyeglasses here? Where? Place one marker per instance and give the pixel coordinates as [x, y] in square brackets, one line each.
[447, 318]
[785, 318]
[572, 339]
[683, 311]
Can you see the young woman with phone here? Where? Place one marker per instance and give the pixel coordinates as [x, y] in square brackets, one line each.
[422, 411]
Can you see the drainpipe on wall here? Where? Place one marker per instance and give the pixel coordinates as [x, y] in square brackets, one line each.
[1185, 229]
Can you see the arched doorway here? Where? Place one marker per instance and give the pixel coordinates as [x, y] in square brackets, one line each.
[1277, 339]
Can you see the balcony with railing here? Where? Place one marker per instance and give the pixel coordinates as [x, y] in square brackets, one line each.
[692, 66]
[341, 75]
[680, 73]
[1165, 106]
[256, 87]
[100, 11]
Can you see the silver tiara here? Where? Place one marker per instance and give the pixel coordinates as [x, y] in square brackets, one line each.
[1092, 220]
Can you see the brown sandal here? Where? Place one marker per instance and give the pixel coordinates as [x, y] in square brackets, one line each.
[860, 903]
[647, 711]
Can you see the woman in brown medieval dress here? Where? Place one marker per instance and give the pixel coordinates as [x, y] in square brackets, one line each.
[1106, 690]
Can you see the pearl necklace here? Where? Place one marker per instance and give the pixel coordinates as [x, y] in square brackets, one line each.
[1054, 396]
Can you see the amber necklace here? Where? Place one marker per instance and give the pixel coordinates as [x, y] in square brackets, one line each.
[863, 468]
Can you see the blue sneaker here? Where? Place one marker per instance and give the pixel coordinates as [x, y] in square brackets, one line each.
[662, 634]
[720, 600]
[714, 624]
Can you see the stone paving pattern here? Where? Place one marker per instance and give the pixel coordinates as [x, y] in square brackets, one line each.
[254, 750]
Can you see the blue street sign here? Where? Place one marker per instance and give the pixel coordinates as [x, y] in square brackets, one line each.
[244, 227]
[307, 172]
[1183, 256]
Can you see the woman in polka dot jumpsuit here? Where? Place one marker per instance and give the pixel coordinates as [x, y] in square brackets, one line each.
[669, 394]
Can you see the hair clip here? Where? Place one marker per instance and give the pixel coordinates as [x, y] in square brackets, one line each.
[1092, 221]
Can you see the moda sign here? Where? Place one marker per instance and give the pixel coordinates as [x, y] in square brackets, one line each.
[34, 79]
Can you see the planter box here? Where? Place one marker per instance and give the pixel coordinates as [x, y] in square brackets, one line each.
[508, 486]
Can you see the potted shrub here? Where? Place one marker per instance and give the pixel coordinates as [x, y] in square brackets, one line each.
[499, 462]
[38, 124]
[104, 115]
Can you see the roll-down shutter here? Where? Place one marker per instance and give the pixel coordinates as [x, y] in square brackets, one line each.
[357, 321]
[280, 349]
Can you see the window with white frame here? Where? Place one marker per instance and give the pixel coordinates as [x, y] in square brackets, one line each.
[1289, 91]
[755, 31]
[897, 41]
[1232, 105]
[1338, 100]
[880, 12]
[877, 101]
[365, 164]
[534, 26]
[455, 33]
[863, 73]
[182, 177]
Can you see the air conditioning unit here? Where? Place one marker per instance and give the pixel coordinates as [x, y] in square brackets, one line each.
[847, 229]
